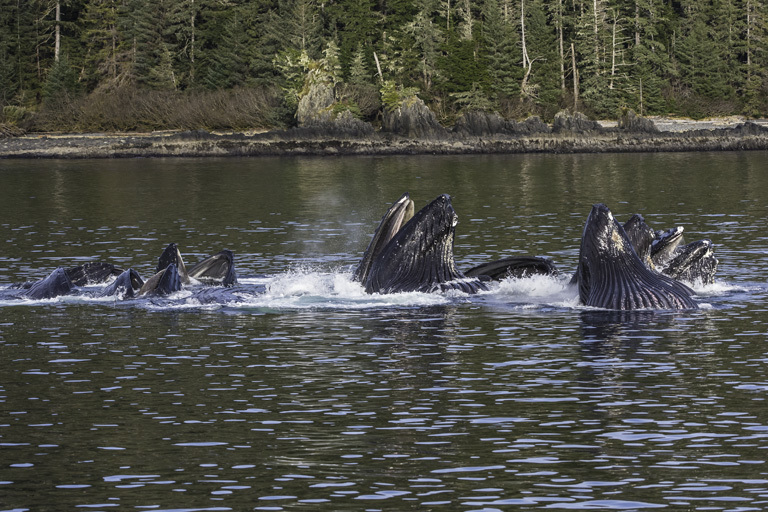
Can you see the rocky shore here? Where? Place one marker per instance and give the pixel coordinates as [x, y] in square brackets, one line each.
[414, 132]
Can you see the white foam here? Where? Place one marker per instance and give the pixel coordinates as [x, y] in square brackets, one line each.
[538, 290]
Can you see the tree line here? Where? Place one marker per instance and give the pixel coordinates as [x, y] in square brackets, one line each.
[517, 57]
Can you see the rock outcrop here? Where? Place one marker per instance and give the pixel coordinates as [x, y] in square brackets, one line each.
[344, 126]
[316, 106]
[632, 123]
[576, 123]
[414, 120]
[487, 124]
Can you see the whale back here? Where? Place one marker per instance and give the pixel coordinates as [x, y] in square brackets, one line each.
[611, 275]
[515, 267]
[420, 255]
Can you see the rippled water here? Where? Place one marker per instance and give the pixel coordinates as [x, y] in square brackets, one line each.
[314, 395]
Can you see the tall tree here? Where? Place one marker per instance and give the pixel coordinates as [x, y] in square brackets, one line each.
[501, 53]
[541, 81]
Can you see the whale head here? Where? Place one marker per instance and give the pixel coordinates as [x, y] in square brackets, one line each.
[611, 275]
[419, 257]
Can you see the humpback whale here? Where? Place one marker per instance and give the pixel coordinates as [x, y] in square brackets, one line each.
[416, 255]
[165, 282]
[661, 250]
[395, 218]
[217, 269]
[55, 284]
[125, 286]
[172, 256]
[693, 262]
[95, 272]
[611, 275]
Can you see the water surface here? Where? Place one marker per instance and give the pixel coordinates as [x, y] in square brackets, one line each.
[315, 395]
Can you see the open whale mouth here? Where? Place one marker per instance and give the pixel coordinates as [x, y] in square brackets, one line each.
[416, 255]
[665, 245]
[393, 221]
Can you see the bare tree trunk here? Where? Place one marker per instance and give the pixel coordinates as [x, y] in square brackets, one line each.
[526, 59]
[575, 79]
[597, 39]
[57, 34]
[560, 40]
[613, 49]
[749, 36]
[378, 67]
[192, 46]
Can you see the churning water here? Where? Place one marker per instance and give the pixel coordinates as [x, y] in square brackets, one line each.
[303, 392]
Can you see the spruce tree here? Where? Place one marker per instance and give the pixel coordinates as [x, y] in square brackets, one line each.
[100, 37]
[60, 82]
[500, 53]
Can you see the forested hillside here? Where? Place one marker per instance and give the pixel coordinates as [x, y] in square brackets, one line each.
[130, 64]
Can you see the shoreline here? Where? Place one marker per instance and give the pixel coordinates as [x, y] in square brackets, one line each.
[730, 134]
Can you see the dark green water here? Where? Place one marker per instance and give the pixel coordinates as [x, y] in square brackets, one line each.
[316, 396]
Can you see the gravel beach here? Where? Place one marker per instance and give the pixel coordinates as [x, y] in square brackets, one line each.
[722, 134]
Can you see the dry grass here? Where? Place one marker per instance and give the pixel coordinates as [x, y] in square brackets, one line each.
[132, 109]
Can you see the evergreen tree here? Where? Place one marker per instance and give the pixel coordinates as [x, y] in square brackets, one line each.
[100, 37]
[541, 83]
[650, 59]
[182, 39]
[460, 70]
[500, 53]
[359, 74]
[421, 47]
[354, 23]
[297, 24]
[226, 64]
[755, 37]
[60, 82]
[264, 41]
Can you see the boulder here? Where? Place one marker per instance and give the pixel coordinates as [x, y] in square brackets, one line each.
[532, 125]
[576, 123]
[315, 105]
[477, 123]
[414, 120]
[631, 122]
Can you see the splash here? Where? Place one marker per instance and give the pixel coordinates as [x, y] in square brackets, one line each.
[538, 290]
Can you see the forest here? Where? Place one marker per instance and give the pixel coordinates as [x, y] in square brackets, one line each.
[81, 65]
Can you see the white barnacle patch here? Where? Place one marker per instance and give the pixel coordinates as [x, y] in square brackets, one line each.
[617, 240]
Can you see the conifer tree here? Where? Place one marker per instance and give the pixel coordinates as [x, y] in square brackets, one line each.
[501, 53]
[60, 82]
[541, 83]
[100, 37]
[226, 63]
